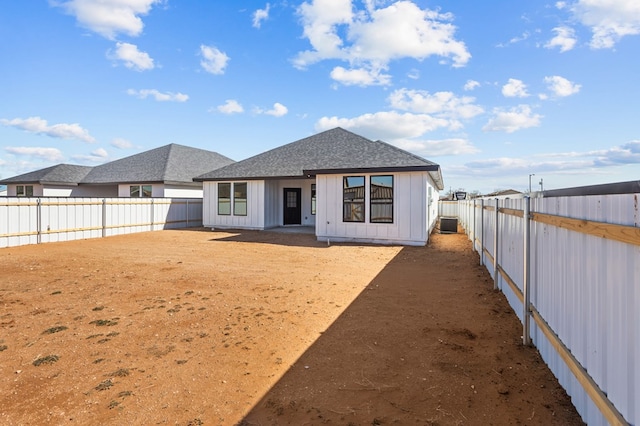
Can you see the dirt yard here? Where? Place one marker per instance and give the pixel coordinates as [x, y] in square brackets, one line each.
[260, 328]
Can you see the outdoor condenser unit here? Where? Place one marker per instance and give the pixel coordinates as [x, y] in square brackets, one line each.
[448, 225]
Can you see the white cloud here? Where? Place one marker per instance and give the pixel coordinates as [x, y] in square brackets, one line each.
[515, 89]
[517, 118]
[132, 57]
[360, 77]
[609, 20]
[231, 106]
[471, 85]
[278, 110]
[565, 39]
[515, 40]
[387, 125]
[628, 153]
[413, 74]
[436, 148]
[561, 87]
[97, 156]
[588, 162]
[40, 126]
[213, 60]
[369, 39]
[443, 104]
[158, 96]
[110, 17]
[260, 15]
[121, 143]
[48, 154]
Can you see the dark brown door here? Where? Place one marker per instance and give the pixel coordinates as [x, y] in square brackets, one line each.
[292, 206]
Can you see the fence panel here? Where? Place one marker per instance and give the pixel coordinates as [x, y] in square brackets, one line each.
[583, 284]
[34, 220]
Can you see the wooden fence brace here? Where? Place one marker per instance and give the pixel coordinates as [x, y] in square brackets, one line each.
[496, 276]
[526, 308]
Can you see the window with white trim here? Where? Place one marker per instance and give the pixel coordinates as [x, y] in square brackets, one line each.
[224, 198]
[136, 191]
[24, 191]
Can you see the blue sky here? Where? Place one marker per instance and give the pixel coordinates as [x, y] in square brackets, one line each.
[491, 91]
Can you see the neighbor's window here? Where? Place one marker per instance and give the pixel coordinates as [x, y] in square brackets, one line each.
[224, 198]
[240, 198]
[381, 199]
[136, 191]
[24, 191]
[313, 198]
[353, 199]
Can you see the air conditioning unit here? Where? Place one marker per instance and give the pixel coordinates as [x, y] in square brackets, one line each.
[448, 225]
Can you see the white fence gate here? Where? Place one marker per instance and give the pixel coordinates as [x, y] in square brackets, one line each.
[42, 220]
[570, 268]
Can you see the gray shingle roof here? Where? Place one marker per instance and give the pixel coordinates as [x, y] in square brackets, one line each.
[171, 163]
[67, 174]
[332, 151]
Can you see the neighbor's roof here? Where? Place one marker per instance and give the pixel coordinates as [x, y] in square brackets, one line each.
[329, 152]
[62, 174]
[171, 163]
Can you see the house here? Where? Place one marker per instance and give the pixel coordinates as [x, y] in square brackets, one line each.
[167, 171]
[347, 187]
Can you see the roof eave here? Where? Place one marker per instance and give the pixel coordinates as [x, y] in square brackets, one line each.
[425, 168]
[238, 178]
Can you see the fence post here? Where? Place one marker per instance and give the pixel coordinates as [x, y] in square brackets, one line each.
[496, 239]
[104, 217]
[526, 339]
[187, 212]
[473, 226]
[38, 221]
[151, 226]
[481, 252]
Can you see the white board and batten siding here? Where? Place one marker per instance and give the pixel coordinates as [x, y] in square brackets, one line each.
[255, 217]
[414, 212]
[265, 205]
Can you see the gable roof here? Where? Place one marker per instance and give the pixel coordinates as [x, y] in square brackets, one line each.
[329, 152]
[171, 163]
[62, 174]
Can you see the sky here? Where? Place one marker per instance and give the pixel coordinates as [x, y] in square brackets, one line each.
[499, 93]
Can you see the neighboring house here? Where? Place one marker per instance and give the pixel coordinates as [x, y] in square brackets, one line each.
[347, 187]
[167, 171]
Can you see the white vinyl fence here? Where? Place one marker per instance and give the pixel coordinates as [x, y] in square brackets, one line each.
[570, 268]
[43, 220]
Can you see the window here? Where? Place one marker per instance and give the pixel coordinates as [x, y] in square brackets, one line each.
[224, 198]
[381, 199]
[136, 191]
[353, 199]
[313, 198]
[24, 191]
[240, 198]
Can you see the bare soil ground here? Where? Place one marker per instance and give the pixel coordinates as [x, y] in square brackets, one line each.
[197, 327]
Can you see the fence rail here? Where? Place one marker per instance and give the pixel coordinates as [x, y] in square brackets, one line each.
[42, 220]
[570, 269]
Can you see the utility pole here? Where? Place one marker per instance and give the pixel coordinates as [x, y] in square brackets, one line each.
[532, 174]
[541, 187]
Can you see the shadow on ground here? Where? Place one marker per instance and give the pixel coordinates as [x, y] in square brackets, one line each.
[427, 342]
